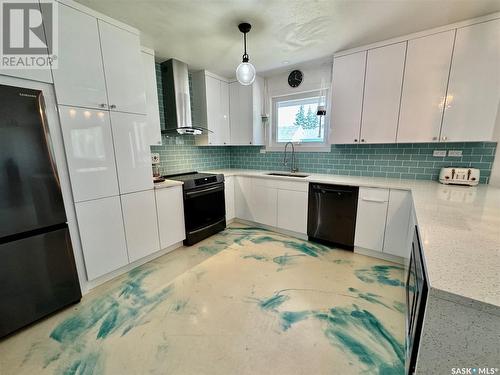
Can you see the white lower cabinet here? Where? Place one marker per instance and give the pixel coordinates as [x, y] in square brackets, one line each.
[229, 197]
[383, 221]
[371, 217]
[170, 211]
[141, 224]
[101, 232]
[292, 210]
[398, 223]
[264, 203]
[242, 195]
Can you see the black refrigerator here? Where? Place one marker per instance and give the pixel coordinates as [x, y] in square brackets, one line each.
[37, 267]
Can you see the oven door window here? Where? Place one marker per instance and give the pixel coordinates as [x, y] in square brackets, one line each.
[204, 207]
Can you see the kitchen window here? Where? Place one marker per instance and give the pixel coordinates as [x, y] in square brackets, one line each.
[295, 119]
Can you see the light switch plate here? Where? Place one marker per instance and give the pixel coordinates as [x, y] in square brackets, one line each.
[155, 158]
[455, 153]
[439, 153]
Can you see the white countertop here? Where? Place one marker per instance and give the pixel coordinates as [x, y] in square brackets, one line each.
[167, 184]
[460, 230]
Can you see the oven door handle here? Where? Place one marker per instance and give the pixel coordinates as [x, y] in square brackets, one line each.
[197, 193]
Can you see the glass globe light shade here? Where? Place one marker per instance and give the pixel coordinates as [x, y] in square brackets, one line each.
[245, 73]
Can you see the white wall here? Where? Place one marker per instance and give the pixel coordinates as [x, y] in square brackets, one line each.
[317, 74]
[495, 172]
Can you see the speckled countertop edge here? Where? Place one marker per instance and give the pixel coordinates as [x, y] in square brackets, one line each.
[167, 184]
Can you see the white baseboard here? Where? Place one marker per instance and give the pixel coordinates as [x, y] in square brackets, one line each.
[89, 285]
[286, 232]
[302, 236]
[379, 255]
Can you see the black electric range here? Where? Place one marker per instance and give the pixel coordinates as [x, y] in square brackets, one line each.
[204, 204]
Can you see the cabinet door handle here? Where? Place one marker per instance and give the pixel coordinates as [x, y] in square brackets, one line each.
[434, 138]
[112, 106]
[374, 200]
[363, 140]
[102, 105]
[444, 138]
[355, 140]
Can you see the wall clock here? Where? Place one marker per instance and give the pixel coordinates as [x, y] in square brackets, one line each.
[295, 78]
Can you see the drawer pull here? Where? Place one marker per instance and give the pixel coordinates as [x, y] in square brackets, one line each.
[374, 200]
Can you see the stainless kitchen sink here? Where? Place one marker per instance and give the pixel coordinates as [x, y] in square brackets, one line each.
[287, 174]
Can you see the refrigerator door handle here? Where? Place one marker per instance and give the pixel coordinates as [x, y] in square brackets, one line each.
[48, 142]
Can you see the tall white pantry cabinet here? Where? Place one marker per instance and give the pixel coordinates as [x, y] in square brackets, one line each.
[107, 133]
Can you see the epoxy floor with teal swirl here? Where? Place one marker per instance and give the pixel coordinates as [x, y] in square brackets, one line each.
[245, 301]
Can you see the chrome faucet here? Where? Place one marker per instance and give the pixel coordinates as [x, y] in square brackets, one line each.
[293, 168]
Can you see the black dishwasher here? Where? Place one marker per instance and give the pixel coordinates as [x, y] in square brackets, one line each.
[331, 215]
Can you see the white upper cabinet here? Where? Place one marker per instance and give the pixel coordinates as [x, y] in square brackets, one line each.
[141, 224]
[258, 98]
[133, 157]
[153, 111]
[424, 87]
[474, 87]
[224, 129]
[245, 111]
[211, 108]
[89, 152]
[214, 111]
[123, 67]
[241, 114]
[347, 97]
[382, 94]
[79, 77]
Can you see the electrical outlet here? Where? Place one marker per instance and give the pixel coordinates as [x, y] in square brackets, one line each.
[155, 158]
[262, 150]
[455, 153]
[439, 153]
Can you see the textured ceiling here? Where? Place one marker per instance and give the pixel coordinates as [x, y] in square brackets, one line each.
[204, 33]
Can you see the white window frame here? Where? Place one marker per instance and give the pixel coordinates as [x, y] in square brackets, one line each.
[324, 146]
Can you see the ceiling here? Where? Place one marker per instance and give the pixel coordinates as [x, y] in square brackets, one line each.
[204, 33]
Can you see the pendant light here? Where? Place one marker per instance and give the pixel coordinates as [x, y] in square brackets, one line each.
[245, 72]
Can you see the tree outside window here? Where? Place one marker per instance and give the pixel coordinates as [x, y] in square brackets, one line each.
[296, 120]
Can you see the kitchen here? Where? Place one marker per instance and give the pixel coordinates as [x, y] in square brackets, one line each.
[332, 207]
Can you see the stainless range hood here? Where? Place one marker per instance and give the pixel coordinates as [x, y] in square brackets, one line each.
[176, 99]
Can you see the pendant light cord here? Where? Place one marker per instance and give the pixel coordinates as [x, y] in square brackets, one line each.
[245, 55]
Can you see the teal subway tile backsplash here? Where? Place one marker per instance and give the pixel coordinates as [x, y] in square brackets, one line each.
[179, 154]
[402, 161]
